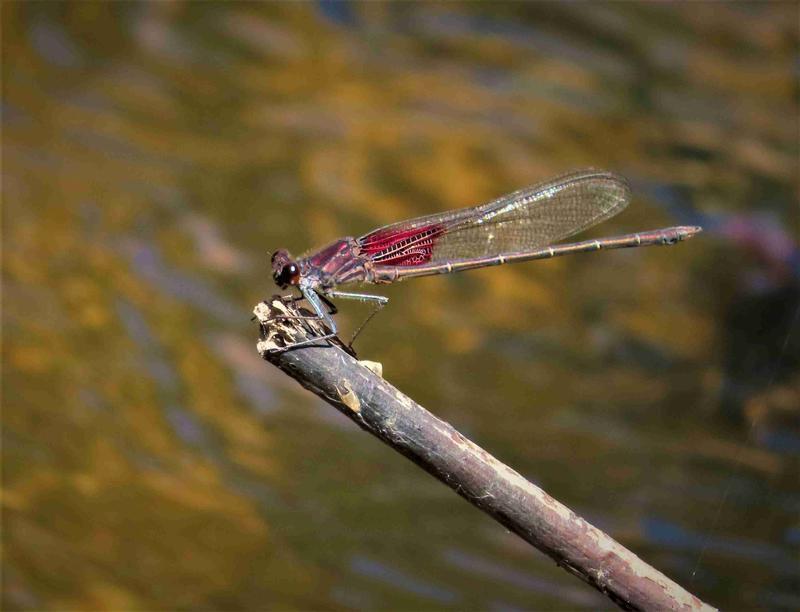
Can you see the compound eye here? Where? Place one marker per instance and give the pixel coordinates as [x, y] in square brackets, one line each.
[289, 275]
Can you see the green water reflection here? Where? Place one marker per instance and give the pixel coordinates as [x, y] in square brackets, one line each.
[154, 154]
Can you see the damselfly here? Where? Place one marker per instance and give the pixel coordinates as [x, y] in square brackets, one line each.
[520, 226]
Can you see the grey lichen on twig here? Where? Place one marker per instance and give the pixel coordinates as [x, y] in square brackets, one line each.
[331, 372]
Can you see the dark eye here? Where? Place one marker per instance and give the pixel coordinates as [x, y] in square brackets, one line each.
[288, 275]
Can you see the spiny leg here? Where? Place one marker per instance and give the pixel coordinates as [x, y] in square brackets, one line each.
[332, 310]
[308, 342]
[378, 300]
[316, 301]
[378, 306]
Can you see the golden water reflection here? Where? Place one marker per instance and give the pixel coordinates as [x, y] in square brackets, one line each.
[155, 153]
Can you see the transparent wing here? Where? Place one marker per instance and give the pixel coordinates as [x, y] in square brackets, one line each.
[520, 221]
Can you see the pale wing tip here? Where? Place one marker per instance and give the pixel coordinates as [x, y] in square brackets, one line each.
[621, 187]
[610, 183]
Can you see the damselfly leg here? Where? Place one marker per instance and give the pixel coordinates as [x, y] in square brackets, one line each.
[379, 301]
[318, 303]
[317, 300]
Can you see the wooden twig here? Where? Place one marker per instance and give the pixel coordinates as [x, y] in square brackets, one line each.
[378, 407]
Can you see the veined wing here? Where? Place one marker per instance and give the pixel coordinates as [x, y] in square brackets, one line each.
[533, 217]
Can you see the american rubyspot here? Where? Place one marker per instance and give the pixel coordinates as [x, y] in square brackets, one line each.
[520, 226]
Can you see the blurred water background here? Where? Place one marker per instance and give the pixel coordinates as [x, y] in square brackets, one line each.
[154, 154]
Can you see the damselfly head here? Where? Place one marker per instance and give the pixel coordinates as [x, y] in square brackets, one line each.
[285, 270]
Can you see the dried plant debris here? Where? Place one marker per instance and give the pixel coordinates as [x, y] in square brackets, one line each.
[283, 324]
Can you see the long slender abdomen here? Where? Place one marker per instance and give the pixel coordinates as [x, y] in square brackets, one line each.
[667, 236]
